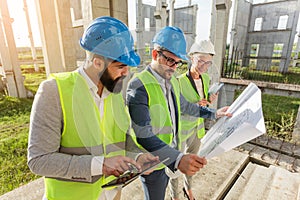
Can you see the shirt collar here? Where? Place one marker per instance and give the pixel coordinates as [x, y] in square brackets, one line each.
[160, 79]
[92, 86]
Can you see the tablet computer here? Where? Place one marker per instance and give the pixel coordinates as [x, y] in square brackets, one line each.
[129, 176]
[215, 88]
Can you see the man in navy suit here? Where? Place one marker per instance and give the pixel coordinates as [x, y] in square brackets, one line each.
[155, 104]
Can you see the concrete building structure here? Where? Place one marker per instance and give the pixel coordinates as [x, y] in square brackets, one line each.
[218, 35]
[264, 33]
[61, 25]
[8, 55]
[147, 25]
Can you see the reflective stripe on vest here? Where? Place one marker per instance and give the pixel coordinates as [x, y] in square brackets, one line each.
[159, 113]
[190, 124]
[85, 133]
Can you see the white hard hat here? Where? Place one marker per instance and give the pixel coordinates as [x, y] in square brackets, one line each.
[204, 46]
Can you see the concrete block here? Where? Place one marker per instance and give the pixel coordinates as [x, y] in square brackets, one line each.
[31, 191]
[263, 140]
[258, 182]
[296, 151]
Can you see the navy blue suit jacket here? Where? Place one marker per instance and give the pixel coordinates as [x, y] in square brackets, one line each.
[137, 101]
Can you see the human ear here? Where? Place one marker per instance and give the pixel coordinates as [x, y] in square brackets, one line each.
[99, 64]
[154, 54]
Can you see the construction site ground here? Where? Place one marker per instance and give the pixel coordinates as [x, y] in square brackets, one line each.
[264, 168]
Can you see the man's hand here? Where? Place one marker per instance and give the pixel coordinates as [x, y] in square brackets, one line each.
[223, 112]
[213, 97]
[145, 160]
[203, 102]
[117, 165]
[191, 163]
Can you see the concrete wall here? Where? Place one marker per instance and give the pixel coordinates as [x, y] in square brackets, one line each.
[184, 18]
[269, 34]
[239, 30]
[62, 23]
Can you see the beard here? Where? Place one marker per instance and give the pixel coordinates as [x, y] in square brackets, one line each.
[114, 86]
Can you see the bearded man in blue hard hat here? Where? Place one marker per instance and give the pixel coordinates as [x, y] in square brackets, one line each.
[155, 103]
[79, 121]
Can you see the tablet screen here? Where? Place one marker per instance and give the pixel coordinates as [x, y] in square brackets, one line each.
[128, 176]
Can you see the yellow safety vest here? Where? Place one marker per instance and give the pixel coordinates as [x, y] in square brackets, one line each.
[190, 124]
[161, 121]
[86, 133]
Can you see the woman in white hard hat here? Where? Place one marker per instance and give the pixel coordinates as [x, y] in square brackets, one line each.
[194, 87]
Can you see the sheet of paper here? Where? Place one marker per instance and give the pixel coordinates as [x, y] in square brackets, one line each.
[246, 124]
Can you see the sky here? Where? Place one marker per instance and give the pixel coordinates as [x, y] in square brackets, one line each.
[21, 31]
[19, 25]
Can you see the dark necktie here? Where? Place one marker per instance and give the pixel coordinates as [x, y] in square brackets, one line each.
[171, 107]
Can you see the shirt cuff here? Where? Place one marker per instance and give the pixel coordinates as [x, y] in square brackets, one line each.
[97, 165]
[178, 160]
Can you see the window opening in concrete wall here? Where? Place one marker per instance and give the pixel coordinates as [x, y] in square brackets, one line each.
[282, 22]
[277, 50]
[258, 24]
[76, 13]
[254, 50]
[147, 24]
[275, 65]
[252, 63]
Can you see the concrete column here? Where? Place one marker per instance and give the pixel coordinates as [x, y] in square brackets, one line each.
[57, 35]
[9, 55]
[160, 14]
[219, 27]
[288, 50]
[140, 28]
[49, 36]
[171, 13]
[7, 66]
[32, 47]
[66, 39]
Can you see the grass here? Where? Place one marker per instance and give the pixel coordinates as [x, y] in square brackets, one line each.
[288, 78]
[271, 75]
[280, 114]
[33, 80]
[14, 128]
[14, 121]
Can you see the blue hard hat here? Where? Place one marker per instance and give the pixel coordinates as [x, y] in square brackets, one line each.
[172, 39]
[109, 37]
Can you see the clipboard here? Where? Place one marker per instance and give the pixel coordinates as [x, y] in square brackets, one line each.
[129, 177]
